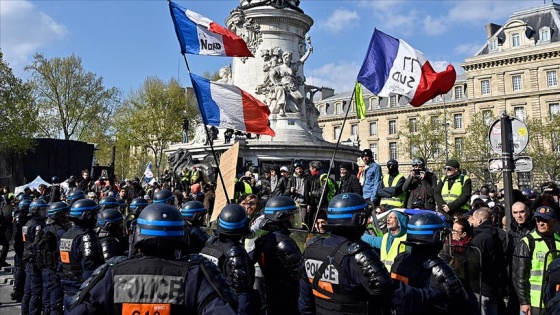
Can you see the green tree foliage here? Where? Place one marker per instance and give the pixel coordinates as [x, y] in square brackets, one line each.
[73, 103]
[18, 115]
[424, 137]
[544, 147]
[150, 120]
[477, 151]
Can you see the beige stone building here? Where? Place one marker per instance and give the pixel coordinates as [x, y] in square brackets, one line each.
[515, 71]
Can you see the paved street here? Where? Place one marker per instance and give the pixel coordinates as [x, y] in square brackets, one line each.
[8, 306]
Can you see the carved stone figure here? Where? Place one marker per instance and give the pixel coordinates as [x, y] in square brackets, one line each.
[277, 4]
[245, 28]
[200, 136]
[225, 75]
[182, 158]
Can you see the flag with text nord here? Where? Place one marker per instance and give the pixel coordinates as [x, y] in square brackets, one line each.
[392, 66]
[199, 35]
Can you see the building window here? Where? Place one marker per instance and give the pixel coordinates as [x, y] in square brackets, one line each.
[515, 40]
[336, 133]
[551, 78]
[517, 83]
[485, 87]
[487, 117]
[373, 148]
[493, 45]
[435, 122]
[393, 150]
[458, 121]
[393, 101]
[373, 129]
[544, 34]
[354, 130]
[375, 103]
[392, 127]
[519, 112]
[338, 108]
[458, 146]
[553, 109]
[412, 125]
[458, 92]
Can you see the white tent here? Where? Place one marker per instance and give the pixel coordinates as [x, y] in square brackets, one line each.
[33, 185]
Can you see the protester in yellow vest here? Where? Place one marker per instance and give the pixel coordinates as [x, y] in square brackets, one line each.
[391, 188]
[453, 192]
[529, 260]
[390, 244]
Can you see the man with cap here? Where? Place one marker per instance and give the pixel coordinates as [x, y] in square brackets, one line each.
[453, 192]
[348, 182]
[529, 260]
[372, 177]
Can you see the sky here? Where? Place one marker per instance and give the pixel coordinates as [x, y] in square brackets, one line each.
[127, 41]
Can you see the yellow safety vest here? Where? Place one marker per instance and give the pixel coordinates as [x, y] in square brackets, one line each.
[331, 188]
[538, 267]
[456, 190]
[387, 258]
[395, 201]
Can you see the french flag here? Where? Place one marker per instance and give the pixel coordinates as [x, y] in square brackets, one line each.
[392, 66]
[199, 35]
[227, 106]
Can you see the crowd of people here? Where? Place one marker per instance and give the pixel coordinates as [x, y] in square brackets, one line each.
[387, 242]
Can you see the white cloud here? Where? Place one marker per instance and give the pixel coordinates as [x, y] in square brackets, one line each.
[484, 12]
[433, 26]
[339, 20]
[23, 30]
[467, 49]
[339, 76]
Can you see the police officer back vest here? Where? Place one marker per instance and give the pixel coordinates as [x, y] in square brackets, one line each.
[29, 232]
[71, 266]
[330, 296]
[46, 245]
[395, 201]
[110, 247]
[215, 251]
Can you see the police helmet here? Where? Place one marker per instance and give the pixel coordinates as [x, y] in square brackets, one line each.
[137, 205]
[164, 196]
[347, 210]
[159, 222]
[39, 208]
[58, 210]
[193, 211]
[23, 197]
[426, 228]
[108, 203]
[233, 220]
[23, 206]
[280, 208]
[74, 196]
[110, 220]
[83, 212]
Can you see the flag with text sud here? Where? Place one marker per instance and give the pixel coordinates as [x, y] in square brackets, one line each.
[359, 100]
[392, 66]
[227, 106]
[199, 35]
[148, 174]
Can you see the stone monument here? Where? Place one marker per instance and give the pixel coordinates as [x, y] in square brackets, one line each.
[276, 32]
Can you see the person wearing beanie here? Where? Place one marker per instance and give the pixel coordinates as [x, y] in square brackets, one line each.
[348, 182]
[453, 192]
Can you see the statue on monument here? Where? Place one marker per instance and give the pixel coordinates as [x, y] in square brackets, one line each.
[225, 75]
[281, 85]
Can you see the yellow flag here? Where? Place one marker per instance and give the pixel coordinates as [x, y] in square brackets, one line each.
[359, 99]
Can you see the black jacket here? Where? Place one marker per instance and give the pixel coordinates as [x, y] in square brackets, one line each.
[349, 184]
[516, 233]
[421, 188]
[493, 277]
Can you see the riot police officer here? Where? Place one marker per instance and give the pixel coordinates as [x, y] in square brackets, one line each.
[110, 232]
[226, 251]
[190, 286]
[80, 252]
[136, 206]
[279, 257]
[20, 219]
[74, 196]
[108, 203]
[422, 268]
[193, 213]
[47, 257]
[164, 196]
[31, 301]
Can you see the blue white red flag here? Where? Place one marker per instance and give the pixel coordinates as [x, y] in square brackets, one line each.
[148, 174]
[199, 35]
[227, 106]
[392, 66]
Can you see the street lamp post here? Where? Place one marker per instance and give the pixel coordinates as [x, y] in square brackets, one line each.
[445, 129]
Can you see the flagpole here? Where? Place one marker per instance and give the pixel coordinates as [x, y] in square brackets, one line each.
[211, 141]
[331, 164]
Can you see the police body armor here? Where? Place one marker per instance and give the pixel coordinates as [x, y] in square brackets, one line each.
[71, 266]
[196, 238]
[47, 247]
[29, 232]
[232, 260]
[110, 247]
[20, 222]
[325, 275]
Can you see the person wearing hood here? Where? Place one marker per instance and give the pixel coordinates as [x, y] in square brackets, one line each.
[390, 243]
[391, 188]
